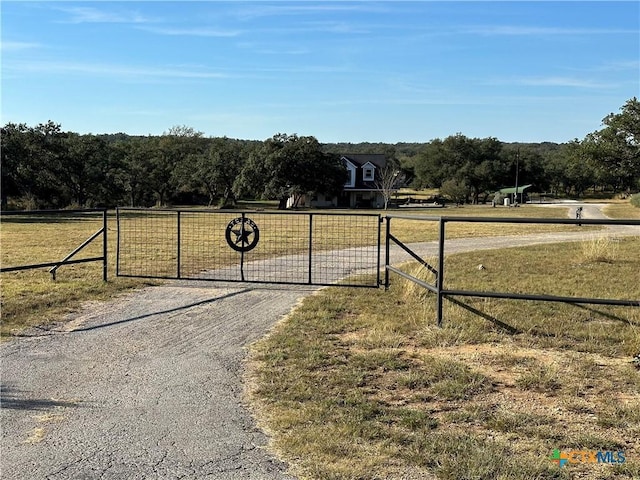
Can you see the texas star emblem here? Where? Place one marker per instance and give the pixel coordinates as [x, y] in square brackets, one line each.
[242, 234]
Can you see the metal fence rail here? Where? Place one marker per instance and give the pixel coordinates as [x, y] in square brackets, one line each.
[262, 247]
[60, 215]
[438, 286]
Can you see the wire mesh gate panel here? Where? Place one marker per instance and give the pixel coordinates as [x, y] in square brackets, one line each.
[267, 247]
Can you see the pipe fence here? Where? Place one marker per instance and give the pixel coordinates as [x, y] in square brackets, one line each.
[438, 286]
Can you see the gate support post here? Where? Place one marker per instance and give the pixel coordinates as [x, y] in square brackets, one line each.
[310, 245]
[117, 242]
[104, 245]
[242, 244]
[378, 259]
[386, 253]
[440, 277]
[178, 247]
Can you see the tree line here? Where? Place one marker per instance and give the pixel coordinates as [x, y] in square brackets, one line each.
[46, 167]
[470, 169]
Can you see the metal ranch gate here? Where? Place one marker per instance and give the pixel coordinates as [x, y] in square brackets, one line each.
[260, 247]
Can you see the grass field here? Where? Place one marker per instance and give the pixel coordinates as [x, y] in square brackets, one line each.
[362, 384]
[622, 209]
[410, 231]
[31, 298]
[358, 385]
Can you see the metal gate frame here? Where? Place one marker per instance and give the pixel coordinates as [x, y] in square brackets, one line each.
[311, 255]
[55, 265]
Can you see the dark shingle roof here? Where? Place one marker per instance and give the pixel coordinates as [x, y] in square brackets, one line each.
[359, 159]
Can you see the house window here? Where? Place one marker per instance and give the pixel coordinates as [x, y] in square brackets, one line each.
[368, 174]
[349, 182]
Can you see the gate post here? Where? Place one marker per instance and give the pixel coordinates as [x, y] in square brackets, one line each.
[178, 247]
[104, 245]
[243, 216]
[310, 245]
[117, 242]
[386, 253]
[440, 277]
[378, 260]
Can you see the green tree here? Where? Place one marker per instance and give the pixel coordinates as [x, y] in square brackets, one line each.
[29, 161]
[290, 166]
[15, 151]
[531, 166]
[137, 159]
[82, 170]
[165, 154]
[615, 149]
[475, 163]
[455, 191]
[579, 173]
[215, 171]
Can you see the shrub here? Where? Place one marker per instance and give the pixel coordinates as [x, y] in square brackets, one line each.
[599, 249]
[635, 200]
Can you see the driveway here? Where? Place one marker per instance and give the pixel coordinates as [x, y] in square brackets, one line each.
[149, 385]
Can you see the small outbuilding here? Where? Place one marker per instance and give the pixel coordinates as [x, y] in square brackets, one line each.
[515, 196]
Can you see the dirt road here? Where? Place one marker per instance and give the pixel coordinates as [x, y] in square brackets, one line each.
[149, 386]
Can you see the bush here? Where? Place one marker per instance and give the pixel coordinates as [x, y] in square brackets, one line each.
[635, 200]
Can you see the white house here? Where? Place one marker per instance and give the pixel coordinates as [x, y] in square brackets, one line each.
[360, 189]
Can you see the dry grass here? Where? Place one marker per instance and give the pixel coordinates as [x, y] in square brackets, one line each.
[362, 385]
[30, 297]
[599, 249]
[409, 231]
[622, 209]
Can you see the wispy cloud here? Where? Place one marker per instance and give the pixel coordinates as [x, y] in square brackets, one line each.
[18, 46]
[336, 27]
[525, 30]
[114, 70]
[622, 65]
[259, 49]
[94, 15]
[301, 8]
[169, 72]
[552, 81]
[193, 32]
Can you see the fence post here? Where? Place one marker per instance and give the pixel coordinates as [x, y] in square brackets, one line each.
[243, 216]
[386, 253]
[104, 246]
[378, 262]
[117, 241]
[310, 244]
[440, 277]
[178, 246]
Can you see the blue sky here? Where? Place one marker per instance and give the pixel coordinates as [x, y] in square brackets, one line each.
[341, 71]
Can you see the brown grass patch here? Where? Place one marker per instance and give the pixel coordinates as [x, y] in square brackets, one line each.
[363, 385]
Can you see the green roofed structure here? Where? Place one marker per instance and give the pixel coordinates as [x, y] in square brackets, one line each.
[512, 190]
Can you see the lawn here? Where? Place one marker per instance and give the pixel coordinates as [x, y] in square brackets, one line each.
[31, 297]
[363, 385]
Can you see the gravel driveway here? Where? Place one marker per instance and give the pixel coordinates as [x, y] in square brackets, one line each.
[149, 386]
